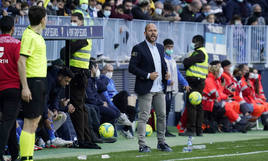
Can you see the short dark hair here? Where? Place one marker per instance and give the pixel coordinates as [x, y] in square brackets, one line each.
[36, 14]
[168, 42]
[106, 5]
[79, 15]
[241, 66]
[127, 1]
[6, 24]
[251, 20]
[66, 72]
[168, 6]
[199, 39]
[215, 62]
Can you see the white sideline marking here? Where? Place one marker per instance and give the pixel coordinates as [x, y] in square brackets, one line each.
[219, 156]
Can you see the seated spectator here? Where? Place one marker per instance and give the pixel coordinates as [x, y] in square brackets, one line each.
[119, 12]
[92, 8]
[162, 13]
[189, 11]
[8, 9]
[52, 8]
[209, 19]
[237, 7]
[106, 11]
[128, 5]
[217, 10]
[205, 11]
[252, 21]
[25, 8]
[141, 11]
[169, 12]
[257, 12]
[236, 20]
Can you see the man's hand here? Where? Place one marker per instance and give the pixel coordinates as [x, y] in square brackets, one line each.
[105, 104]
[188, 88]
[171, 83]
[153, 75]
[48, 123]
[167, 76]
[71, 108]
[26, 95]
[64, 102]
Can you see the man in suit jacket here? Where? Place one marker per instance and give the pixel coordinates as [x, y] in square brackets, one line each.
[148, 64]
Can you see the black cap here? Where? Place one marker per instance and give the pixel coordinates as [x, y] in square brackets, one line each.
[225, 63]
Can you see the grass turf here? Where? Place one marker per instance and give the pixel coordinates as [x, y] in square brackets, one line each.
[217, 144]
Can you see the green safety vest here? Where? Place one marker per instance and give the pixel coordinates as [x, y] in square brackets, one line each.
[80, 59]
[85, 15]
[199, 70]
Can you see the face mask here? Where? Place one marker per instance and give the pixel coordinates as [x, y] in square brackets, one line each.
[246, 75]
[26, 12]
[180, 11]
[256, 76]
[206, 14]
[127, 11]
[240, 1]
[84, 6]
[98, 73]
[220, 72]
[107, 13]
[251, 76]
[158, 11]
[169, 52]
[238, 78]
[257, 14]
[55, 8]
[238, 23]
[73, 24]
[231, 70]
[192, 46]
[109, 75]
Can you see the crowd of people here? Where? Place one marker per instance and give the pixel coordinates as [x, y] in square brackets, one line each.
[247, 12]
[37, 110]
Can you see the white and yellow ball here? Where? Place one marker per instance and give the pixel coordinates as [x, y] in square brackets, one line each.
[195, 98]
[106, 130]
[149, 130]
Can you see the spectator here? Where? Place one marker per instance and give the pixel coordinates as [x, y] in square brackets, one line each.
[141, 11]
[92, 8]
[159, 13]
[83, 9]
[106, 11]
[257, 12]
[217, 9]
[10, 10]
[189, 11]
[118, 12]
[128, 7]
[252, 21]
[25, 8]
[209, 19]
[52, 7]
[206, 10]
[236, 20]
[237, 7]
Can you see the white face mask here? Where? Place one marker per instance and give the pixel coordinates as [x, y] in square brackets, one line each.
[192, 46]
[109, 75]
[107, 13]
[98, 73]
[158, 11]
[231, 70]
[84, 6]
[220, 72]
[256, 76]
[251, 75]
[73, 24]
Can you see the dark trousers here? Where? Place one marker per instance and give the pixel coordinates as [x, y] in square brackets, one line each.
[9, 108]
[79, 118]
[168, 104]
[195, 114]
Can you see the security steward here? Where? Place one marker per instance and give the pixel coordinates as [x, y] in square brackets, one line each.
[196, 72]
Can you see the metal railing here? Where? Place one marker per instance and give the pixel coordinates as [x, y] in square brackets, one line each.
[244, 44]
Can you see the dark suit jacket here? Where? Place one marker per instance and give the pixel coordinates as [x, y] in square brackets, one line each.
[141, 63]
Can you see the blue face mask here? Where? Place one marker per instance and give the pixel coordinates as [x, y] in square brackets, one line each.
[240, 1]
[84, 6]
[107, 13]
[205, 13]
[169, 52]
[192, 46]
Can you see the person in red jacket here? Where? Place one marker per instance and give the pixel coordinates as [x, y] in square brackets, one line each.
[215, 101]
[9, 86]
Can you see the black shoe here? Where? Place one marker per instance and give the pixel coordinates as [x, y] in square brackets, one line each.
[109, 140]
[187, 133]
[144, 149]
[95, 138]
[242, 126]
[87, 145]
[164, 147]
[168, 134]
